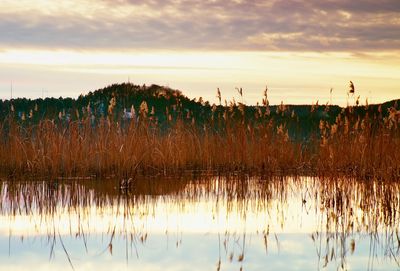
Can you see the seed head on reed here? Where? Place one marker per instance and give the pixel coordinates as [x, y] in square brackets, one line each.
[358, 100]
[267, 111]
[88, 109]
[242, 108]
[225, 115]
[214, 108]
[351, 88]
[346, 125]
[249, 128]
[144, 109]
[338, 120]
[334, 129]
[259, 112]
[240, 91]
[321, 125]
[265, 101]
[112, 104]
[266, 93]
[281, 109]
[232, 105]
[166, 111]
[219, 96]
[282, 132]
[394, 115]
[364, 125]
[356, 125]
[314, 106]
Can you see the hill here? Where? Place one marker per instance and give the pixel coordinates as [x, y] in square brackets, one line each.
[165, 104]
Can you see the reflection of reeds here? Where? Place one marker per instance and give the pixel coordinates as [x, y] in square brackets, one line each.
[346, 209]
[341, 202]
[350, 209]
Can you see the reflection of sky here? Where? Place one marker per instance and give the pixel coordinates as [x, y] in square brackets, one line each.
[161, 216]
[194, 252]
[169, 232]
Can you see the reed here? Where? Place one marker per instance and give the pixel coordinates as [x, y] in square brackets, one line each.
[361, 142]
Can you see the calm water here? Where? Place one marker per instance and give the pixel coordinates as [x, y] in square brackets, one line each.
[203, 224]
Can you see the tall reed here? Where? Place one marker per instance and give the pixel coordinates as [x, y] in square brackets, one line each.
[362, 142]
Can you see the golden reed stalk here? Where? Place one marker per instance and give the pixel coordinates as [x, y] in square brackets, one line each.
[362, 145]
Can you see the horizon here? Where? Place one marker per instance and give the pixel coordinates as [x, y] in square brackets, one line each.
[351, 98]
[300, 50]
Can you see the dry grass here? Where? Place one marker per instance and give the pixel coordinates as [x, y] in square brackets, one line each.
[358, 146]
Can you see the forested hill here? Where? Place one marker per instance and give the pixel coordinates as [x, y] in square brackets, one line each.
[125, 95]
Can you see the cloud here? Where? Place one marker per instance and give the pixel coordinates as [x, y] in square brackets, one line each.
[312, 25]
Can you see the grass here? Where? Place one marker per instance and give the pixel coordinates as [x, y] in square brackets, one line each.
[362, 142]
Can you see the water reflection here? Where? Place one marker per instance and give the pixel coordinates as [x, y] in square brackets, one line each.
[200, 224]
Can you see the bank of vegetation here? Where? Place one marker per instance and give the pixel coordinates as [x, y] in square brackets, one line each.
[125, 130]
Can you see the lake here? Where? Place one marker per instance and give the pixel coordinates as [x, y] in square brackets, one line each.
[200, 223]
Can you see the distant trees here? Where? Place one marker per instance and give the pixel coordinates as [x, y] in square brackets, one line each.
[165, 105]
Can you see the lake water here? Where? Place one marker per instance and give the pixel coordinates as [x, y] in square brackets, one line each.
[202, 223]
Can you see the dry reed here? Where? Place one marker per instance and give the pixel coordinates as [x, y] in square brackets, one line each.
[361, 144]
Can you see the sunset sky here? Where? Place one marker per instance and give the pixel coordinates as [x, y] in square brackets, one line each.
[300, 49]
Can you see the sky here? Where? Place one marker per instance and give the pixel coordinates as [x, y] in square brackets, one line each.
[299, 49]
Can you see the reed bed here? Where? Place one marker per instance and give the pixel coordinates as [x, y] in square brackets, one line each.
[362, 141]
